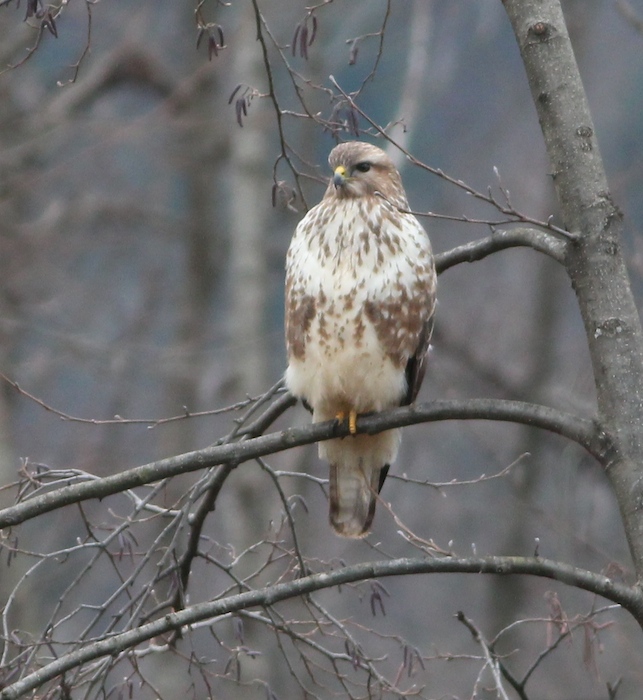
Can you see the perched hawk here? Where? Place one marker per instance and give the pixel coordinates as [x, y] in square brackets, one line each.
[360, 295]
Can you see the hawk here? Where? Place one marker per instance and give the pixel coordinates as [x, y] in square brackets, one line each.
[360, 296]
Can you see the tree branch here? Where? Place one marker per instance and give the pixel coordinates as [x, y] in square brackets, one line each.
[580, 430]
[629, 597]
[501, 240]
[492, 661]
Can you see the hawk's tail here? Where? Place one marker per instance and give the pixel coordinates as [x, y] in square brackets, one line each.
[353, 490]
[358, 466]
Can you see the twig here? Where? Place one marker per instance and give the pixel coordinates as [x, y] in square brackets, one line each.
[438, 485]
[489, 199]
[150, 422]
[491, 660]
[88, 42]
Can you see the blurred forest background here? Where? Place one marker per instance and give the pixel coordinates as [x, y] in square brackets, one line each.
[141, 260]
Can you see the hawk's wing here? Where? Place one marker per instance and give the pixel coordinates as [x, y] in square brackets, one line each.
[416, 366]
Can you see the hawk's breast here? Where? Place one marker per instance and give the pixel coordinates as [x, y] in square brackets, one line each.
[360, 286]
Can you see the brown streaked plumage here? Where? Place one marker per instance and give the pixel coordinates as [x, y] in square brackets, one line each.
[360, 296]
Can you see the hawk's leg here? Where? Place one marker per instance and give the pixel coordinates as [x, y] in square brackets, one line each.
[352, 420]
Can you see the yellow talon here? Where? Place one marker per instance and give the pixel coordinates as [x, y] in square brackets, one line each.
[352, 422]
[340, 416]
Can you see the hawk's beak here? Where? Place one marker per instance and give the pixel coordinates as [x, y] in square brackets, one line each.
[339, 178]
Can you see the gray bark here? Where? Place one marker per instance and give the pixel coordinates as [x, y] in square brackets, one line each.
[594, 262]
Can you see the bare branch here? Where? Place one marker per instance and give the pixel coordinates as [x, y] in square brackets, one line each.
[629, 597]
[150, 422]
[580, 430]
[505, 208]
[501, 240]
[353, 43]
[490, 658]
[86, 49]
[272, 94]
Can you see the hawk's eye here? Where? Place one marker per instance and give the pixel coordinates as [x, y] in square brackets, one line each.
[363, 167]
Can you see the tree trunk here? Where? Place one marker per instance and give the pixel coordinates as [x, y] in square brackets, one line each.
[594, 262]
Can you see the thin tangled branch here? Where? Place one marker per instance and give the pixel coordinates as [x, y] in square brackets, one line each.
[149, 422]
[44, 18]
[491, 661]
[340, 120]
[75, 67]
[505, 207]
[586, 622]
[629, 597]
[215, 482]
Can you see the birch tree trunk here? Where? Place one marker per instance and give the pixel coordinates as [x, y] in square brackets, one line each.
[249, 207]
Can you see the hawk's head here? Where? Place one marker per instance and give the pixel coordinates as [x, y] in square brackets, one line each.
[360, 170]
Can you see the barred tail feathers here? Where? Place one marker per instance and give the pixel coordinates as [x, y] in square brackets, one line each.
[356, 467]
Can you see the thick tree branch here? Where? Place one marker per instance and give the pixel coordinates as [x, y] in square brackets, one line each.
[629, 597]
[501, 240]
[595, 262]
[580, 430]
